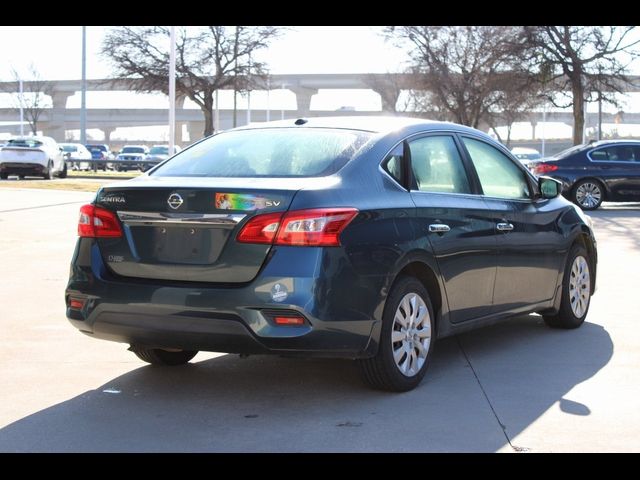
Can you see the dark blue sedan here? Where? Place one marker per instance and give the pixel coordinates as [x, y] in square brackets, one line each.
[590, 174]
[364, 238]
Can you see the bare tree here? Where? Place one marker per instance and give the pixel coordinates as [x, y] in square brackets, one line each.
[582, 62]
[207, 59]
[34, 100]
[468, 74]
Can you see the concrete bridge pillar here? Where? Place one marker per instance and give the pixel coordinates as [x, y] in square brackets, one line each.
[196, 131]
[107, 134]
[57, 116]
[389, 97]
[303, 98]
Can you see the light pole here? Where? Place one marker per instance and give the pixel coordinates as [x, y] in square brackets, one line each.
[172, 90]
[282, 108]
[83, 93]
[249, 92]
[268, 98]
[21, 109]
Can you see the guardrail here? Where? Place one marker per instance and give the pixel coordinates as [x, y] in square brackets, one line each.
[118, 165]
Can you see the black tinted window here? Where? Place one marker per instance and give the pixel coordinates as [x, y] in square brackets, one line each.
[393, 164]
[615, 153]
[269, 152]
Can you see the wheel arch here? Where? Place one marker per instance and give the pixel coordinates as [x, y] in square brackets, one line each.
[424, 268]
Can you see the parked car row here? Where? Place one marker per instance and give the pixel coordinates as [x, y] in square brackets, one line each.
[43, 156]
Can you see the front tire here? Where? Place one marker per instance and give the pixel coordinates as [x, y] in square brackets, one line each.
[576, 291]
[588, 194]
[157, 356]
[406, 339]
[4, 176]
[63, 172]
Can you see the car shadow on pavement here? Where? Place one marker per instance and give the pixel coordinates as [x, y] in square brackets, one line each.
[275, 404]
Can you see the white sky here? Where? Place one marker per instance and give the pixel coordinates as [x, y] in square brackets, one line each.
[56, 53]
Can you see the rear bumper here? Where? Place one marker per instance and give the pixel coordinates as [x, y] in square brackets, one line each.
[232, 319]
[22, 168]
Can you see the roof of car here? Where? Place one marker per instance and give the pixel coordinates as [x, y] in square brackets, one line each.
[378, 124]
[599, 143]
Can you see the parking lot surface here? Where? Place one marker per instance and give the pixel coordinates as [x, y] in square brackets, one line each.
[516, 386]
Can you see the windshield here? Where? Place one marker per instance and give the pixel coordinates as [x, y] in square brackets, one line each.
[159, 151]
[69, 148]
[133, 150]
[24, 142]
[269, 152]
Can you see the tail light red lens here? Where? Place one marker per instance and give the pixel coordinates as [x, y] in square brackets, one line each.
[97, 222]
[261, 228]
[543, 168]
[319, 227]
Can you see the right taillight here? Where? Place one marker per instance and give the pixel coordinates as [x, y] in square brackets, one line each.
[543, 168]
[97, 222]
[319, 227]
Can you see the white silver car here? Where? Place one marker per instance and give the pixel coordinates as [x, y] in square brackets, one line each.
[74, 153]
[131, 157]
[38, 156]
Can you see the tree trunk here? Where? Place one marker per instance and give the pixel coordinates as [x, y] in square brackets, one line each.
[34, 127]
[509, 135]
[578, 110]
[207, 110]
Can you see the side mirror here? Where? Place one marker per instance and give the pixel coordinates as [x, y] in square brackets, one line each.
[549, 187]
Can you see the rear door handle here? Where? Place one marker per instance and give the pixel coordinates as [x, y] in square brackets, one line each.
[505, 227]
[439, 228]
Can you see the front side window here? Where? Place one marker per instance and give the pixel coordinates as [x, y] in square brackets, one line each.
[269, 152]
[437, 165]
[498, 175]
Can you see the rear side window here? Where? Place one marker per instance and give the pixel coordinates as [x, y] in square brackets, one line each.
[437, 165]
[393, 165]
[269, 152]
[617, 153]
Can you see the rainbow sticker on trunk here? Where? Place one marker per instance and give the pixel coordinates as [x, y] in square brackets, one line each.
[243, 201]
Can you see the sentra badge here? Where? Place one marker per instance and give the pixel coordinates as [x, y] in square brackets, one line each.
[113, 199]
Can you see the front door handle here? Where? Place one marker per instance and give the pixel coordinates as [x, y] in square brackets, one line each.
[505, 227]
[439, 228]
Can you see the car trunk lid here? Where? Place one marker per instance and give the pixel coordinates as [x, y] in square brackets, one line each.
[184, 229]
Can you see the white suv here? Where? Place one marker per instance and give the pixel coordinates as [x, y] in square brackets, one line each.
[39, 156]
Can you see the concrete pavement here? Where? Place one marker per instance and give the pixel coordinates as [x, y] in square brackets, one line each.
[517, 386]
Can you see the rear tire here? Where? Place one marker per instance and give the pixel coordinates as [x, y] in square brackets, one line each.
[49, 173]
[157, 356]
[588, 194]
[406, 339]
[576, 291]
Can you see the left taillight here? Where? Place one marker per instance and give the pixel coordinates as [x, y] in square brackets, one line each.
[97, 222]
[319, 227]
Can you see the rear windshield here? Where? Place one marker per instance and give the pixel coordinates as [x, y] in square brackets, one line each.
[269, 152]
[69, 148]
[24, 142]
[159, 151]
[569, 151]
[97, 148]
[133, 150]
